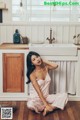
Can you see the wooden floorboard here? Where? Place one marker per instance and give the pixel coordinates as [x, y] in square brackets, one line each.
[71, 112]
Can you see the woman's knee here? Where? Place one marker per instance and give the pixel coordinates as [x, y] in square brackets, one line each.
[30, 104]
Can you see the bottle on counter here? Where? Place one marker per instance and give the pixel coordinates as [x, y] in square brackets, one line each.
[16, 37]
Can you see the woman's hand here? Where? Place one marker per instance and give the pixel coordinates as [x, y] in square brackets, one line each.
[50, 65]
[47, 109]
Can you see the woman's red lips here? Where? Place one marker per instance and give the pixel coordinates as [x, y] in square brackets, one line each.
[38, 61]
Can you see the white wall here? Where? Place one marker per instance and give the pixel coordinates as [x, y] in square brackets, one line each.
[63, 33]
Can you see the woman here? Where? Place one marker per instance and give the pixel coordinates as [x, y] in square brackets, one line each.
[39, 98]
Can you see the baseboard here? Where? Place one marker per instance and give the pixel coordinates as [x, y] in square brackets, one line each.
[13, 98]
[76, 98]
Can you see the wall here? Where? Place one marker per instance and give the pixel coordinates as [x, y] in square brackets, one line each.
[63, 32]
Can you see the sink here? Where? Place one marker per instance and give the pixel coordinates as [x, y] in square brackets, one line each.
[42, 45]
[54, 49]
[53, 45]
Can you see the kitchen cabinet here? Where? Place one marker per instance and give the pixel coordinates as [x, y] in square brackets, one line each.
[13, 72]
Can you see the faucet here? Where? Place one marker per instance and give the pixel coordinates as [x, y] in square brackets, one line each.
[50, 39]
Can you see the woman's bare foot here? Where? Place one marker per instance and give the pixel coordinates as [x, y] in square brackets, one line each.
[45, 112]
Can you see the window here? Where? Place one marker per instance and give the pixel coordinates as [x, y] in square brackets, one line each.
[35, 10]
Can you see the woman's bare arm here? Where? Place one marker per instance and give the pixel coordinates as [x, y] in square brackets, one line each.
[37, 88]
[50, 65]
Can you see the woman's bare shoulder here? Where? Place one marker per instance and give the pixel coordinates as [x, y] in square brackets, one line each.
[32, 75]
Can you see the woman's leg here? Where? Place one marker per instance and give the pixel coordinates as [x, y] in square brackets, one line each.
[35, 105]
[58, 100]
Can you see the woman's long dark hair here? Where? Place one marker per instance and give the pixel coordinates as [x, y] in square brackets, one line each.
[30, 66]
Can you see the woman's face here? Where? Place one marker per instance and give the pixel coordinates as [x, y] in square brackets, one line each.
[36, 60]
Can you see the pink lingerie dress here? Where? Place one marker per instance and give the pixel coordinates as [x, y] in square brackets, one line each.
[58, 100]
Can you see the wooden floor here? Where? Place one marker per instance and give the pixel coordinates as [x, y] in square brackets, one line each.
[71, 112]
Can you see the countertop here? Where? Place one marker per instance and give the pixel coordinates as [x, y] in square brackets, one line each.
[13, 46]
[20, 46]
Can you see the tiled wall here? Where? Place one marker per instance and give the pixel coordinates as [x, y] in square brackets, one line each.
[38, 32]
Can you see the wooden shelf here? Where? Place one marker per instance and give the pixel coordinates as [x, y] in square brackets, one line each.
[76, 44]
[3, 8]
[13, 46]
